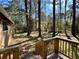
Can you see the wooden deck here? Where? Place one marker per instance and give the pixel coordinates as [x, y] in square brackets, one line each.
[29, 49]
[51, 56]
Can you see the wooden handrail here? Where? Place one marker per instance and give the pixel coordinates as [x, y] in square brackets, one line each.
[10, 53]
[59, 38]
[67, 47]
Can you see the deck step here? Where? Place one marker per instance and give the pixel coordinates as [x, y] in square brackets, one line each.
[55, 56]
[64, 57]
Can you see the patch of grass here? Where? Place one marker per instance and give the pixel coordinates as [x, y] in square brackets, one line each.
[20, 34]
[45, 33]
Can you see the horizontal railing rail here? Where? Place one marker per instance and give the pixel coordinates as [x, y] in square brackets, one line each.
[10, 53]
[66, 47]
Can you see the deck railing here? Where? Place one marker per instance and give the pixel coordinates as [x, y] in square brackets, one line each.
[10, 53]
[69, 48]
[56, 45]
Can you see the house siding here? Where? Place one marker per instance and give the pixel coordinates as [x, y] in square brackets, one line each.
[5, 36]
[1, 33]
[5, 28]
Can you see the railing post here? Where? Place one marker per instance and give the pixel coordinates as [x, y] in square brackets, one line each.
[16, 53]
[41, 49]
[56, 45]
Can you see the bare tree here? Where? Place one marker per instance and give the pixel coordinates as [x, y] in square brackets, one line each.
[39, 17]
[74, 15]
[53, 18]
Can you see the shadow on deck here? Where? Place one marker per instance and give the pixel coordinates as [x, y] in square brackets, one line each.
[55, 56]
[31, 55]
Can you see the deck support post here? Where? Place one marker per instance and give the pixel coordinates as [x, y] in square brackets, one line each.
[56, 45]
[41, 49]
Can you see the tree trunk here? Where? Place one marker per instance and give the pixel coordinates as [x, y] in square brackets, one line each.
[29, 22]
[39, 17]
[53, 18]
[27, 17]
[74, 15]
[66, 21]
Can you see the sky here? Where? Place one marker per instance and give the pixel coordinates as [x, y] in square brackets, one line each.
[47, 8]
[4, 2]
